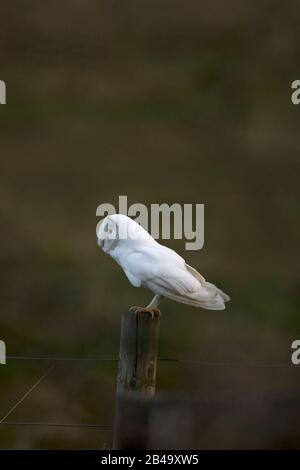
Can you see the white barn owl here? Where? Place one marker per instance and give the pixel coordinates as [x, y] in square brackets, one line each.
[149, 264]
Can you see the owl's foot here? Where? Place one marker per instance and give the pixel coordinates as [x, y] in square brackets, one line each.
[152, 310]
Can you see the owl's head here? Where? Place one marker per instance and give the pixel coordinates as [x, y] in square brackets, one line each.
[107, 234]
[118, 229]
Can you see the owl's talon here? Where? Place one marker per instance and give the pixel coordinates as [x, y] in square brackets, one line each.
[152, 310]
[134, 308]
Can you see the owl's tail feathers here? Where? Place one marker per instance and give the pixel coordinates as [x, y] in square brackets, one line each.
[215, 299]
[209, 297]
[214, 290]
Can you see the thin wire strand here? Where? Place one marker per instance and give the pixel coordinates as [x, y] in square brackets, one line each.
[59, 425]
[61, 359]
[26, 394]
[227, 364]
[162, 359]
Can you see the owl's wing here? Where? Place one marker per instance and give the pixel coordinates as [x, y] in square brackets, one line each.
[135, 281]
[160, 268]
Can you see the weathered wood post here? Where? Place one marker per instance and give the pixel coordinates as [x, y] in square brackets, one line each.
[137, 361]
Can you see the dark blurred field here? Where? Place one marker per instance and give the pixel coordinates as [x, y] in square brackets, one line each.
[164, 101]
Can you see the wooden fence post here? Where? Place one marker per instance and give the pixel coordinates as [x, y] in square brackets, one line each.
[137, 358]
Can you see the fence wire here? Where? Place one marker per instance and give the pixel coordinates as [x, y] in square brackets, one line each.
[55, 425]
[87, 360]
[161, 359]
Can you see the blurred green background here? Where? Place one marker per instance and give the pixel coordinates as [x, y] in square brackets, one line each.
[163, 101]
